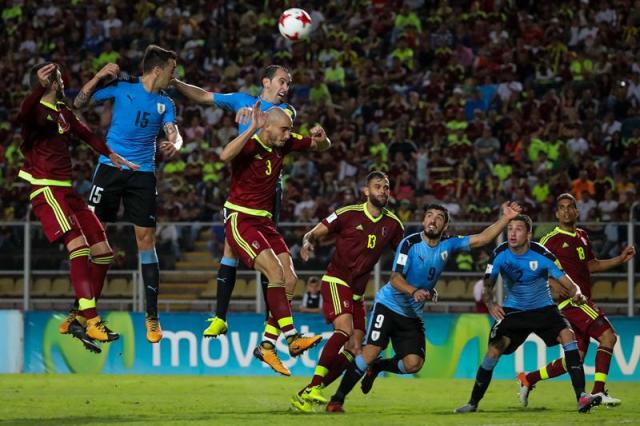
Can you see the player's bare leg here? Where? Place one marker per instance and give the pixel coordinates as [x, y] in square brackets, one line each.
[226, 281]
[146, 240]
[354, 372]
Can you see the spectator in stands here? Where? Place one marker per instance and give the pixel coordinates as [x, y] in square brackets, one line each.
[312, 299]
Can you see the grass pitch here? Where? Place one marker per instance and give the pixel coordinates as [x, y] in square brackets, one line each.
[47, 400]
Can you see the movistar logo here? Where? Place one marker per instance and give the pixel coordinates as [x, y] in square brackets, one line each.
[79, 360]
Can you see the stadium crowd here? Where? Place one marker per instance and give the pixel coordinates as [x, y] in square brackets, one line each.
[466, 102]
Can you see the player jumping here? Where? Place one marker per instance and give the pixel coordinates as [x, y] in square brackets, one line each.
[140, 109]
[276, 81]
[397, 312]
[572, 247]
[256, 157]
[363, 231]
[48, 126]
[525, 267]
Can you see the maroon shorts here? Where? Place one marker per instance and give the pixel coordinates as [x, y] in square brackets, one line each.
[60, 209]
[338, 299]
[248, 235]
[587, 321]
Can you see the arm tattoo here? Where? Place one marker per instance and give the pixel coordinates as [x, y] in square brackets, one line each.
[170, 130]
[81, 99]
[487, 294]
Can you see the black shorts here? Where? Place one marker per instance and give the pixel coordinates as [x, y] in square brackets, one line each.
[546, 322]
[406, 334]
[137, 190]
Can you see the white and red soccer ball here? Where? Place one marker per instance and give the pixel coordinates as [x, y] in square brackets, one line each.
[294, 24]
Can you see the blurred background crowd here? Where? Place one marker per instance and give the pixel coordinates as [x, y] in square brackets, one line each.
[469, 103]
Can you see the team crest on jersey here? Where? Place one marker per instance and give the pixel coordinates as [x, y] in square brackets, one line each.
[383, 231]
[533, 265]
[161, 108]
[255, 245]
[345, 303]
[444, 255]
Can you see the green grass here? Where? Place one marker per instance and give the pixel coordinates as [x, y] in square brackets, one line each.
[173, 400]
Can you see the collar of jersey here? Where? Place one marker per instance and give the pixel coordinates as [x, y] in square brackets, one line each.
[562, 231]
[257, 138]
[373, 219]
[50, 105]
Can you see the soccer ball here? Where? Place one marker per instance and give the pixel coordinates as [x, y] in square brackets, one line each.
[294, 24]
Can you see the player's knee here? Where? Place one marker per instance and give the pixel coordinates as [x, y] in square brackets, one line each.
[146, 240]
[99, 248]
[608, 338]
[412, 364]
[290, 281]
[566, 335]
[74, 239]
[354, 346]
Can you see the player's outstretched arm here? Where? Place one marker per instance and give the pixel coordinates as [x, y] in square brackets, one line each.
[319, 140]
[600, 265]
[489, 297]
[509, 211]
[310, 238]
[571, 288]
[110, 71]
[233, 148]
[194, 93]
[172, 145]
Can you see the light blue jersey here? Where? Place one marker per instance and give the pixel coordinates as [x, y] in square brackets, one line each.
[526, 276]
[421, 265]
[235, 101]
[137, 118]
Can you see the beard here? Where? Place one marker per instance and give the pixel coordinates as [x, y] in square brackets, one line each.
[433, 234]
[379, 203]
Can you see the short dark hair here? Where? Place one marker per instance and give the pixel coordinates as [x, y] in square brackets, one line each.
[156, 56]
[440, 207]
[524, 218]
[270, 71]
[33, 73]
[567, 196]
[376, 174]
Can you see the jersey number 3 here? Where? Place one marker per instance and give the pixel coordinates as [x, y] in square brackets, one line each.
[268, 170]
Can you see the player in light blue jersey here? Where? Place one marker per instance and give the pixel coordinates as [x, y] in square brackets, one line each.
[397, 311]
[276, 81]
[526, 267]
[140, 109]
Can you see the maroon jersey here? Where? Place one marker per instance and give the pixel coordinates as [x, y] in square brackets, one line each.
[255, 172]
[360, 242]
[574, 251]
[47, 133]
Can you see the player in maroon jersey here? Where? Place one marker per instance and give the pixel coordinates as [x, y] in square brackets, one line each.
[48, 126]
[572, 247]
[256, 157]
[363, 231]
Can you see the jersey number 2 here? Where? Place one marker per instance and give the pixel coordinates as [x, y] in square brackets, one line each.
[268, 170]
